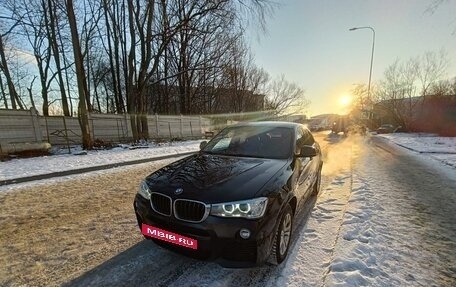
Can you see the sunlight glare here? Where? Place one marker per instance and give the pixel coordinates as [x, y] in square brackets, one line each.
[345, 100]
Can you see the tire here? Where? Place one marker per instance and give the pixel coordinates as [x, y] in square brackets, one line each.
[316, 186]
[282, 238]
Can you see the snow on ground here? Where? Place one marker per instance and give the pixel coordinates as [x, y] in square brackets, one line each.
[386, 220]
[383, 219]
[442, 149]
[42, 183]
[24, 167]
[399, 226]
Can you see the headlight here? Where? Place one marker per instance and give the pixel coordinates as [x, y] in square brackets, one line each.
[144, 190]
[253, 208]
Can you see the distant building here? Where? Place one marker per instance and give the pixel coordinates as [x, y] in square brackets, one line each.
[323, 121]
[434, 114]
[293, 118]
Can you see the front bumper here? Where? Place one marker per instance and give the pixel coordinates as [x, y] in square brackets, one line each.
[218, 238]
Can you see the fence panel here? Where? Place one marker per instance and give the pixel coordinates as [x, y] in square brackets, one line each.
[110, 128]
[22, 126]
[165, 126]
[17, 126]
[60, 130]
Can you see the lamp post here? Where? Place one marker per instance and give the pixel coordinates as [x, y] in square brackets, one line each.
[372, 57]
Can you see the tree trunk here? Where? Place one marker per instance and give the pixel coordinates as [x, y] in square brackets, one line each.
[52, 37]
[132, 89]
[2, 90]
[43, 81]
[12, 90]
[80, 75]
[29, 89]
[111, 56]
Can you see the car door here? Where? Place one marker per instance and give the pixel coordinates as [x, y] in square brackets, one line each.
[310, 167]
[303, 165]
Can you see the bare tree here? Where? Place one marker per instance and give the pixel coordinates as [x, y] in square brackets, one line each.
[431, 67]
[119, 53]
[113, 42]
[285, 96]
[14, 97]
[443, 88]
[407, 84]
[80, 75]
[53, 27]
[434, 6]
[32, 24]
[396, 93]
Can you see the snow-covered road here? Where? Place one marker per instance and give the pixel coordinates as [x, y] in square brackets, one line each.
[400, 225]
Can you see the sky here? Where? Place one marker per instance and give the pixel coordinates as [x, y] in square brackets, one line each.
[310, 43]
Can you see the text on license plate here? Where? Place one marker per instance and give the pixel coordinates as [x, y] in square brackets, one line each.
[167, 236]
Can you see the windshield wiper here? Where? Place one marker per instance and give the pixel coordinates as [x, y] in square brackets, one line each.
[245, 155]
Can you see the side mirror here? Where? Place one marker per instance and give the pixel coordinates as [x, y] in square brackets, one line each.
[203, 144]
[308, 151]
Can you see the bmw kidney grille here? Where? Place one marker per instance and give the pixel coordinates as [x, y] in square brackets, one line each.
[183, 209]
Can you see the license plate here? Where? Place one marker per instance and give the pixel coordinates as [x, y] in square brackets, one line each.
[167, 236]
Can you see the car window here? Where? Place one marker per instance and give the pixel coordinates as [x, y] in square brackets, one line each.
[303, 137]
[222, 144]
[252, 141]
[299, 140]
[308, 138]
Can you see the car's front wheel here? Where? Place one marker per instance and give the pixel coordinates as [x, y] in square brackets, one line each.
[283, 237]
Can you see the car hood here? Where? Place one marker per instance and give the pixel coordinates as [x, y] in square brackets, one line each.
[215, 178]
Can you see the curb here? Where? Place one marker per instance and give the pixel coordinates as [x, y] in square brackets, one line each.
[88, 169]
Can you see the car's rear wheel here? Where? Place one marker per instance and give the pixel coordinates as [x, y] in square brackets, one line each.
[283, 237]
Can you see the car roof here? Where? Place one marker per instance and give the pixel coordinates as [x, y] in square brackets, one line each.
[277, 124]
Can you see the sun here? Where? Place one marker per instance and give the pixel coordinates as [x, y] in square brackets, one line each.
[345, 100]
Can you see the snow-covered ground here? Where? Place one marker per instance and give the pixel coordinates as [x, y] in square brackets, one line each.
[385, 220]
[442, 149]
[24, 167]
[439, 148]
[381, 219]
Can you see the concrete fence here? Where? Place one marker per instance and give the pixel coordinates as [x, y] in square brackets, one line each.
[21, 129]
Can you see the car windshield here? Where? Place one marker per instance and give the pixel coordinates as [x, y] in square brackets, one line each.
[252, 141]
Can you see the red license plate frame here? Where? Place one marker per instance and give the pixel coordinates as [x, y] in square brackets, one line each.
[171, 237]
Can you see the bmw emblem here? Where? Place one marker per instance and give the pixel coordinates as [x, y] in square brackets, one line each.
[178, 191]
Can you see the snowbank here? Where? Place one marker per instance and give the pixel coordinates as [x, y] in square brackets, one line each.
[442, 149]
[17, 168]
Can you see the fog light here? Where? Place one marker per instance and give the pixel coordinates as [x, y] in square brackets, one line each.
[244, 233]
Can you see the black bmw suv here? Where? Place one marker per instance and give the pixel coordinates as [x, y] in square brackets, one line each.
[234, 201]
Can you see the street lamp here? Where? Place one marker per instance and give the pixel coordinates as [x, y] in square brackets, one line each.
[372, 56]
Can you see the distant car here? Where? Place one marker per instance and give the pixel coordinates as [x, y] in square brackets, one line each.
[359, 129]
[385, 129]
[340, 125]
[401, 129]
[234, 201]
[313, 128]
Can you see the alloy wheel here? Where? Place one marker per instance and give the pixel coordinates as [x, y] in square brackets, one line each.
[285, 234]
